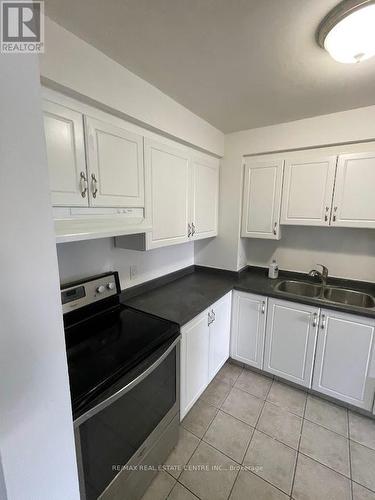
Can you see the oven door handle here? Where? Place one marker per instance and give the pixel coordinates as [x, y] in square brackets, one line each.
[128, 387]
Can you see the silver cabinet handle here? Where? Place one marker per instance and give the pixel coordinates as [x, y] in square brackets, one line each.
[334, 215]
[326, 215]
[213, 315]
[263, 307]
[94, 183]
[315, 320]
[274, 228]
[189, 230]
[192, 229]
[323, 322]
[83, 183]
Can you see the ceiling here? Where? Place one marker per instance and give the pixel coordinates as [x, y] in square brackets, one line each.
[238, 64]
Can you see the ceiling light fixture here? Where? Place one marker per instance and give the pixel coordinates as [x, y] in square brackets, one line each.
[348, 31]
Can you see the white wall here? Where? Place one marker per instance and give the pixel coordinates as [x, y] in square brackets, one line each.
[231, 252]
[86, 258]
[36, 429]
[74, 64]
[348, 253]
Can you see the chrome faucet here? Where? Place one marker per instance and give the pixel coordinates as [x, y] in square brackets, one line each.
[323, 276]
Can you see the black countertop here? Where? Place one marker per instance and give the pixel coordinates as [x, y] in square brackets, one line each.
[179, 297]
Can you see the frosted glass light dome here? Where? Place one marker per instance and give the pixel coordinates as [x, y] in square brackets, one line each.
[352, 39]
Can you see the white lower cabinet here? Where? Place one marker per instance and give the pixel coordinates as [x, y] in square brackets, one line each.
[248, 328]
[204, 349]
[283, 338]
[195, 339]
[344, 364]
[219, 334]
[290, 340]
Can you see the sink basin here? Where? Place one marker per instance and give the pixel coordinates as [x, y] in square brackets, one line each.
[349, 297]
[330, 293]
[299, 288]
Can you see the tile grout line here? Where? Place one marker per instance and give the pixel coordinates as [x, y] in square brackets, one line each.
[252, 436]
[326, 428]
[298, 448]
[324, 465]
[247, 447]
[264, 401]
[186, 487]
[350, 456]
[364, 487]
[201, 439]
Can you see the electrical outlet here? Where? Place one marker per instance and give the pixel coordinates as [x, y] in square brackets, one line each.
[133, 272]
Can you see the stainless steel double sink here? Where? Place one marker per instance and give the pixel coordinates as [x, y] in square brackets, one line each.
[328, 293]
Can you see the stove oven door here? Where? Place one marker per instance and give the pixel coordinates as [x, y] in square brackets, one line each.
[118, 431]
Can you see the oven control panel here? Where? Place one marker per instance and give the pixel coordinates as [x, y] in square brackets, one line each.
[80, 294]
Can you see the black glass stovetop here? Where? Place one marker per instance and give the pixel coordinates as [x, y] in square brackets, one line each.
[105, 346]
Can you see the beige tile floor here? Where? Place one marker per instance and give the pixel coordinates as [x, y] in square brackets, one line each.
[252, 438]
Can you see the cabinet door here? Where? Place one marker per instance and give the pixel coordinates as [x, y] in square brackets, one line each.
[115, 165]
[354, 199]
[343, 358]
[194, 360]
[261, 199]
[307, 192]
[248, 328]
[167, 171]
[205, 197]
[219, 334]
[290, 340]
[63, 130]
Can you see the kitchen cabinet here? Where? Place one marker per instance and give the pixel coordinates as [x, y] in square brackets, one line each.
[109, 177]
[168, 190]
[219, 327]
[204, 349]
[248, 328]
[262, 199]
[354, 200]
[63, 128]
[307, 191]
[115, 165]
[195, 338]
[182, 190]
[290, 340]
[204, 197]
[344, 364]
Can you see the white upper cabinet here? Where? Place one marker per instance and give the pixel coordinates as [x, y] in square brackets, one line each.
[290, 340]
[115, 165]
[168, 193]
[354, 198]
[345, 358]
[307, 191]
[248, 328]
[261, 199]
[205, 197]
[63, 130]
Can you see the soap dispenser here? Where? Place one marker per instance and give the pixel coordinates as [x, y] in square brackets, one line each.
[273, 270]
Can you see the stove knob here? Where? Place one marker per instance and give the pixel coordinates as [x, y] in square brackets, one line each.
[100, 289]
[111, 286]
